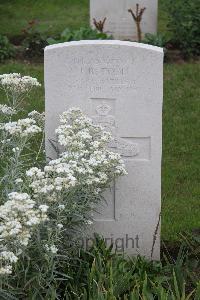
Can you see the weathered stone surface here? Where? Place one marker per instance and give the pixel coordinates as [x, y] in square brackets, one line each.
[120, 85]
[119, 21]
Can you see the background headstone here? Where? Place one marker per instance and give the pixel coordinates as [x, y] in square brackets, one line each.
[120, 85]
[119, 21]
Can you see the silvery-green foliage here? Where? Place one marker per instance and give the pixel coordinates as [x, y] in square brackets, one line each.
[19, 214]
[73, 183]
[45, 208]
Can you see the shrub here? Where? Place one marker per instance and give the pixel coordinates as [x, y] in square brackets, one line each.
[158, 40]
[45, 207]
[184, 24]
[6, 48]
[84, 33]
[34, 40]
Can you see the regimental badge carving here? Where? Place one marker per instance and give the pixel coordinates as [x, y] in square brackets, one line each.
[104, 118]
[103, 109]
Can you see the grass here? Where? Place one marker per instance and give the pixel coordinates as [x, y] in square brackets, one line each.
[53, 15]
[181, 137]
[180, 182]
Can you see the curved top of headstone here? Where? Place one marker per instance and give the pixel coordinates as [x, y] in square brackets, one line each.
[105, 42]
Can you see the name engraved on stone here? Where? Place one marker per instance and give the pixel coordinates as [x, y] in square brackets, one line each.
[103, 71]
[100, 74]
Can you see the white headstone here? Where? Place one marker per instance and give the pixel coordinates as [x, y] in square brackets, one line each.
[119, 22]
[120, 85]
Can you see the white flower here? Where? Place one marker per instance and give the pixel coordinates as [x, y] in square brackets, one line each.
[15, 83]
[86, 160]
[8, 256]
[6, 110]
[14, 150]
[22, 128]
[51, 248]
[38, 117]
[35, 172]
[61, 206]
[43, 208]
[89, 222]
[18, 217]
[60, 226]
[6, 270]
[18, 180]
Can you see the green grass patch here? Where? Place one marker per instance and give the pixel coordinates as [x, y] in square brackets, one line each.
[53, 15]
[180, 180]
[180, 176]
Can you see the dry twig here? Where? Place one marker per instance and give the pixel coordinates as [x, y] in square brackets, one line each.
[137, 17]
[99, 24]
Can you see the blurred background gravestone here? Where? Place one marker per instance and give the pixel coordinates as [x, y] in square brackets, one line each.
[119, 22]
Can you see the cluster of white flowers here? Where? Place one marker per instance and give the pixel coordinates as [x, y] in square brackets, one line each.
[86, 160]
[52, 249]
[22, 128]
[86, 165]
[88, 222]
[61, 206]
[20, 214]
[7, 258]
[18, 180]
[42, 182]
[86, 150]
[38, 117]
[18, 217]
[6, 110]
[60, 226]
[17, 84]
[77, 132]
[6, 270]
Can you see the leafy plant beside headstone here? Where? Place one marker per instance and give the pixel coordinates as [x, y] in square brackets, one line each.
[6, 48]
[102, 274]
[84, 33]
[158, 40]
[34, 40]
[184, 24]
